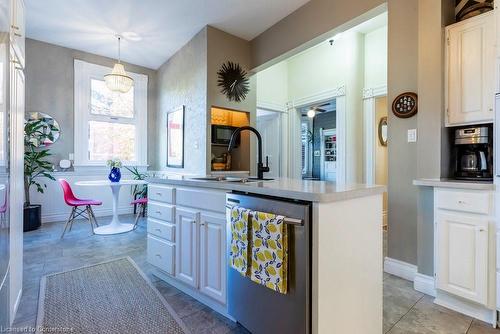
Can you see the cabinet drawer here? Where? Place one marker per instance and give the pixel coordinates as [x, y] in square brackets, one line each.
[161, 211]
[464, 200]
[161, 229]
[161, 254]
[211, 200]
[161, 193]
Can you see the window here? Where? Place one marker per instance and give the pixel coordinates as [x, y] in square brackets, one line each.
[108, 124]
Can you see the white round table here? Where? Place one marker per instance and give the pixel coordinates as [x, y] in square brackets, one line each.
[115, 226]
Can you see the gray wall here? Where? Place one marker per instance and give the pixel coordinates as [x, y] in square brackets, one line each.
[182, 80]
[49, 89]
[223, 47]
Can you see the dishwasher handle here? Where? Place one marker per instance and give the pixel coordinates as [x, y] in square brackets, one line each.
[288, 221]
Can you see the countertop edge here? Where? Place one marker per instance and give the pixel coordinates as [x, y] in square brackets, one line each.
[340, 195]
[455, 184]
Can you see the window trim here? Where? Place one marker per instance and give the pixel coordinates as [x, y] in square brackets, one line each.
[84, 72]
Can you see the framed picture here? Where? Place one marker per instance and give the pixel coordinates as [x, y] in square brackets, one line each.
[175, 138]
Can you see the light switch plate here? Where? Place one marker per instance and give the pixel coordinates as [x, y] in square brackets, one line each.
[412, 135]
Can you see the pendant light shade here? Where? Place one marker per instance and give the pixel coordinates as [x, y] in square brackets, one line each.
[118, 80]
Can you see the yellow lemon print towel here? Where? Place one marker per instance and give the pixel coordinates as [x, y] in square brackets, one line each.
[269, 251]
[238, 254]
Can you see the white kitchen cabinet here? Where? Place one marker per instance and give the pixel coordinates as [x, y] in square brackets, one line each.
[186, 260]
[462, 255]
[470, 70]
[213, 256]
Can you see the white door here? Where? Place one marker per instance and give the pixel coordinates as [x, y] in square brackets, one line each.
[470, 60]
[186, 236]
[462, 255]
[269, 126]
[213, 256]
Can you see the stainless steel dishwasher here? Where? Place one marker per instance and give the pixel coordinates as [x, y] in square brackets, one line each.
[259, 309]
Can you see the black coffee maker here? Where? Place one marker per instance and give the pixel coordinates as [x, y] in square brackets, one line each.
[473, 153]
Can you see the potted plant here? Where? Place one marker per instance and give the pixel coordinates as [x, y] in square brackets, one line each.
[138, 190]
[36, 167]
[115, 174]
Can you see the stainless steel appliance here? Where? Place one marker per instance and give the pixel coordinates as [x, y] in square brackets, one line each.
[259, 309]
[473, 153]
[221, 135]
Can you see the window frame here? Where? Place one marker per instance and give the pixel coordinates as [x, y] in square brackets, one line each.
[84, 73]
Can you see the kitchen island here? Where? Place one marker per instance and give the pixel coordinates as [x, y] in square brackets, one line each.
[188, 244]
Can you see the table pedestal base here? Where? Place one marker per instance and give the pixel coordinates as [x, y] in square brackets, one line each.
[113, 229]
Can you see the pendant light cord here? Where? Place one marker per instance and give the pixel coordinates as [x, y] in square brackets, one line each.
[119, 56]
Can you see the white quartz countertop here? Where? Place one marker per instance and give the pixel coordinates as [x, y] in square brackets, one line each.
[457, 184]
[314, 191]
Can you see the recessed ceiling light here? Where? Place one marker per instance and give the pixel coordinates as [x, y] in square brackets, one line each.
[131, 36]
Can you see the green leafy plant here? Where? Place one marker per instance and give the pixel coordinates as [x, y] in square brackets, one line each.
[138, 190]
[114, 163]
[35, 164]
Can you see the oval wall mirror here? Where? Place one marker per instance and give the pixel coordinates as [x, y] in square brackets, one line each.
[49, 130]
[382, 131]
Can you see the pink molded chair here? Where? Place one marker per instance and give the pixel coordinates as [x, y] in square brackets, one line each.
[143, 203]
[76, 203]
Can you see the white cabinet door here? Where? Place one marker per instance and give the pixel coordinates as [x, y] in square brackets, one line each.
[470, 68]
[186, 236]
[462, 255]
[213, 256]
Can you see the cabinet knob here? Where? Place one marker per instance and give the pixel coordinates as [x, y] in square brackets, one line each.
[202, 224]
[17, 35]
[462, 202]
[193, 221]
[481, 230]
[14, 27]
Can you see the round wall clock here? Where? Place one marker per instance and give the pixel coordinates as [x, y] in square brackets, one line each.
[405, 105]
[233, 80]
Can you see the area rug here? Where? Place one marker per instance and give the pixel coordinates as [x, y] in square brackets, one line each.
[111, 297]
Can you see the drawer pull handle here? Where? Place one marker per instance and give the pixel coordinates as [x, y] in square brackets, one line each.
[481, 230]
[158, 212]
[14, 27]
[158, 255]
[202, 224]
[193, 221]
[462, 202]
[17, 35]
[158, 193]
[157, 229]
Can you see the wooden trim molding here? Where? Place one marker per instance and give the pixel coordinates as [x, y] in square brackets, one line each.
[377, 91]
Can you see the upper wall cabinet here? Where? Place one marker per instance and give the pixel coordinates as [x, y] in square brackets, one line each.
[470, 71]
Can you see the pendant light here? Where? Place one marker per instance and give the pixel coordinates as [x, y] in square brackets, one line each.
[118, 80]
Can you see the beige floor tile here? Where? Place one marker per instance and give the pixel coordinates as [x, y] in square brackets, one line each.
[428, 318]
[479, 327]
[399, 297]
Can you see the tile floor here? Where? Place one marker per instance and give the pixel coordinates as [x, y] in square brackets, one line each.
[405, 310]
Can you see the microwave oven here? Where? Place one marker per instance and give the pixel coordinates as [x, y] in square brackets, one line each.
[221, 135]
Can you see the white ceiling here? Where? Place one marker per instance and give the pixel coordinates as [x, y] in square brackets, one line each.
[164, 25]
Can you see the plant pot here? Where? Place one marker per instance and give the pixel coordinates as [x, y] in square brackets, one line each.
[32, 217]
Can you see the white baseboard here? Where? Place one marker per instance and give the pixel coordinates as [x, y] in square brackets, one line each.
[465, 307]
[400, 269]
[424, 284]
[99, 212]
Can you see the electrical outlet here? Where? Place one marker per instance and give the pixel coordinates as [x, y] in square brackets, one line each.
[412, 135]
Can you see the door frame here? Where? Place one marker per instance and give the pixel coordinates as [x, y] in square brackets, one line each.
[283, 133]
[369, 97]
[294, 135]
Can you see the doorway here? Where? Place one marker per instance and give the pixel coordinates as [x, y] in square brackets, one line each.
[319, 141]
[381, 153]
[269, 124]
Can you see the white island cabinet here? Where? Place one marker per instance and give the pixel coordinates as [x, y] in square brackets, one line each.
[188, 237]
